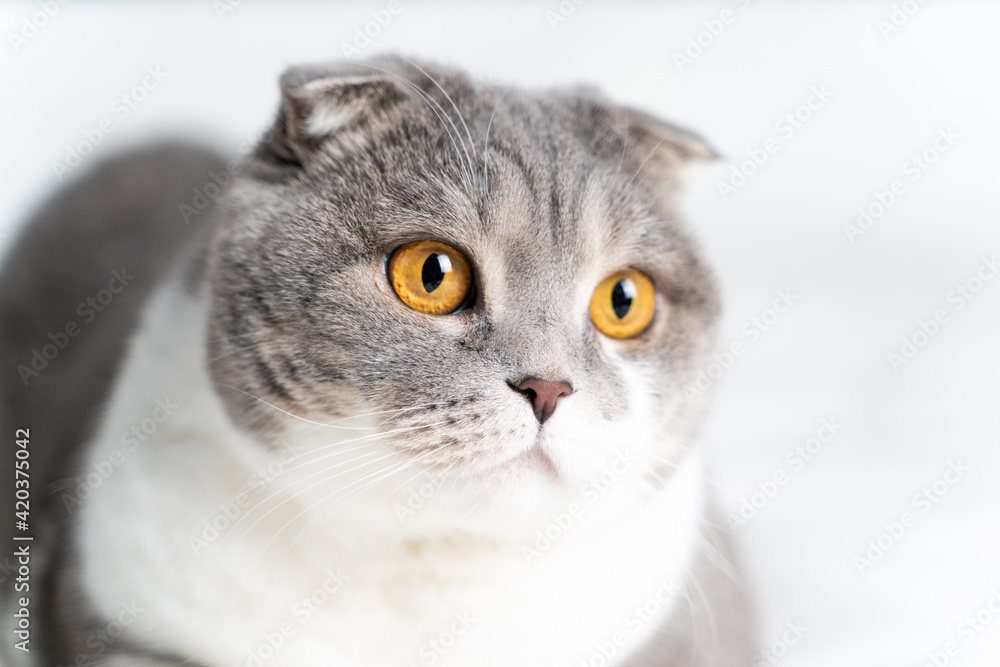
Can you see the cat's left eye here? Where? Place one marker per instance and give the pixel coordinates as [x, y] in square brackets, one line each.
[430, 277]
[623, 304]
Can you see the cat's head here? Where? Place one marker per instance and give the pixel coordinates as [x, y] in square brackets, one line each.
[497, 280]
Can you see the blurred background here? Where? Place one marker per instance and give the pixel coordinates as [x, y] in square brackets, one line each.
[854, 222]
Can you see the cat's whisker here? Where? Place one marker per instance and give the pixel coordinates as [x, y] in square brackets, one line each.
[347, 498]
[403, 483]
[466, 167]
[227, 549]
[472, 143]
[686, 574]
[706, 604]
[271, 405]
[710, 547]
[421, 472]
[284, 491]
[467, 161]
[230, 352]
[395, 410]
[256, 481]
[380, 475]
[373, 436]
[326, 478]
[475, 505]
[351, 495]
[357, 492]
[316, 473]
[357, 443]
[333, 424]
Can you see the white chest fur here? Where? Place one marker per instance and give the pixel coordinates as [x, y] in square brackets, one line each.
[359, 591]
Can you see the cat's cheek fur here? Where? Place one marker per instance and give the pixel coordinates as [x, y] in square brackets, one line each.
[524, 600]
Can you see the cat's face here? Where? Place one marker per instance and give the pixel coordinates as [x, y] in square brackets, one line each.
[383, 258]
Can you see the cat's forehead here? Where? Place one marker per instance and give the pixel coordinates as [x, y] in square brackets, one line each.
[568, 209]
[537, 189]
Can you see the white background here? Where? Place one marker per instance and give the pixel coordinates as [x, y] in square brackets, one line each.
[827, 357]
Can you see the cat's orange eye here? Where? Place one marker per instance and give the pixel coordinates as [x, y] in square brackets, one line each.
[430, 277]
[623, 304]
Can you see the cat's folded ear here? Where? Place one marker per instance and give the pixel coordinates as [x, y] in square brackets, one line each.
[320, 103]
[663, 145]
[666, 138]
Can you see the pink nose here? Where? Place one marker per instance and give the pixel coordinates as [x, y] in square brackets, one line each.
[543, 395]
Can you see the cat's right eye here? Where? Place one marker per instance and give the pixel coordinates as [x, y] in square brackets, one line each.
[430, 277]
[623, 304]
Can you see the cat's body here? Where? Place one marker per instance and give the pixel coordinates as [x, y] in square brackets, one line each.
[323, 476]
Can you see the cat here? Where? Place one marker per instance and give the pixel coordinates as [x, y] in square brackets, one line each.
[403, 387]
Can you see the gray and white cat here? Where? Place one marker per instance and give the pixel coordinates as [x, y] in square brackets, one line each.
[410, 392]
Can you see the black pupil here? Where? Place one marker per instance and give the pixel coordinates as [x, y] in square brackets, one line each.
[621, 297]
[432, 273]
